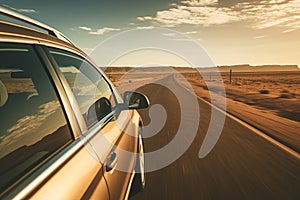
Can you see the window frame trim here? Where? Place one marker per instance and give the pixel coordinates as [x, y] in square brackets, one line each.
[30, 177]
[62, 96]
[83, 126]
[37, 177]
[69, 94]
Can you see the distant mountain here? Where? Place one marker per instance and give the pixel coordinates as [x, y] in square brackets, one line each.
[276, 68]
[162, 69]
[234, 68]
[259, 68]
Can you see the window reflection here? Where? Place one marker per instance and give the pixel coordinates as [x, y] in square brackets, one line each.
[33, 126]
[89, 87]
[41, 123]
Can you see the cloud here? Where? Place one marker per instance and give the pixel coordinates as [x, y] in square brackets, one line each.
[259, 37]
[259, 14]
[194, 13]
[103, 30]
[274, 13]
[144, 27]
[183, 39]
[23, 10]
[200, 2]
[289, 30]
[27, 10]
[85, 28]
[144, 18]
[20, 133]
[177, 37]
[191, 32]
[171, 34]
[277, 1]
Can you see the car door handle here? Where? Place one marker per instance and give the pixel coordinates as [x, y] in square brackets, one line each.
[111, 161]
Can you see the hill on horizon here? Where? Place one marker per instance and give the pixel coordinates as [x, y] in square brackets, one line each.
[225, 68]
[258, 68]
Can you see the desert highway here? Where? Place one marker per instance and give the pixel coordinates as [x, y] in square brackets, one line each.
[242, 165]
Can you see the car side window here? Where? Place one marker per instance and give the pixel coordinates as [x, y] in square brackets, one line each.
[33, 125]
[91, 90]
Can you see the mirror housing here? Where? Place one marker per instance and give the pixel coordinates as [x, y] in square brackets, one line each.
[99, 110]
[135, 100]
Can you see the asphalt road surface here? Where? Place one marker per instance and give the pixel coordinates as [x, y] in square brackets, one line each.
[242, 165]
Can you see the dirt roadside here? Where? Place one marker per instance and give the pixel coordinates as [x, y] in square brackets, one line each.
[276, 113]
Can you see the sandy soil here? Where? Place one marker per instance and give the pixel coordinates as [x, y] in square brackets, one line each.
[270, 101]
[278, 91]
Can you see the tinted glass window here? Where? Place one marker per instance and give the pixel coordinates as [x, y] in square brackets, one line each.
[89, 87]
[33, 126]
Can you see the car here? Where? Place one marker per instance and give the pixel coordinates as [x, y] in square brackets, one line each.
[65, 132]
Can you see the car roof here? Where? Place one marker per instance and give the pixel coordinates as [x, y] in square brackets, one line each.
[15, 32]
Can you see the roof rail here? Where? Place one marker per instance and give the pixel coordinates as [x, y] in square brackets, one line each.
[18, 16]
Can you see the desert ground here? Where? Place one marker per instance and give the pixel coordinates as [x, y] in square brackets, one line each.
[267, 99]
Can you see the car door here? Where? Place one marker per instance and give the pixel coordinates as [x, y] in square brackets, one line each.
[40, 158]
[106, 127]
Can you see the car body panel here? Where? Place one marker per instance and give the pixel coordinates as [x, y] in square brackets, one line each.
[79, 170]
[117, 136]
[81, 175]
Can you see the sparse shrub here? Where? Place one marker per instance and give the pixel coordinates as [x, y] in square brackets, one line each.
[264, 92]
[129, 81]
[284, 91]
[285, 95]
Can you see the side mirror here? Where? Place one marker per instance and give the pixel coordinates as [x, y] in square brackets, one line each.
[98, 110]
[135, 100]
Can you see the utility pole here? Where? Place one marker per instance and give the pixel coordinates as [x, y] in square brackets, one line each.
[230, 76]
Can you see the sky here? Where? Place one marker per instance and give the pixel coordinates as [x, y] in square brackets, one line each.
[255, 32]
